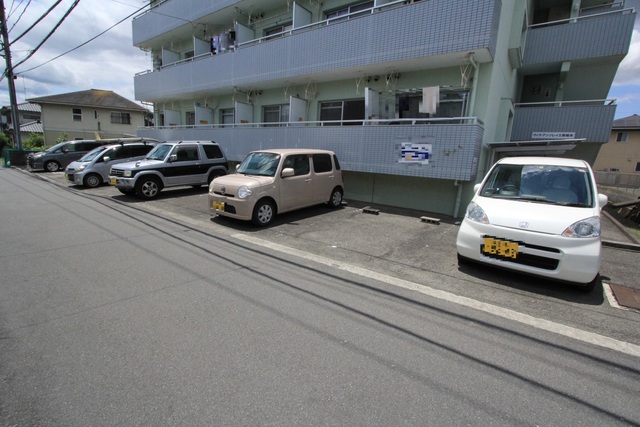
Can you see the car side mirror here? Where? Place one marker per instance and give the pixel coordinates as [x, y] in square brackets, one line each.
[173, 158]
[237, 166]
[476, 188]
[286, 172]
[603, 200]
[106, 158]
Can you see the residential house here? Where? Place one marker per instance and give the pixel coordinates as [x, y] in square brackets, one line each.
[89, 114]
[622, 152]
[417, 98]
[29, 116]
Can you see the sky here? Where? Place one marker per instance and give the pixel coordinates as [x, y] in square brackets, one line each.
[110, 61]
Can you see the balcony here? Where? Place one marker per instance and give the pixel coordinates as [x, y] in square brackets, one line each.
[393, 37]
[593, 36]
[590, 120]
[371, 147]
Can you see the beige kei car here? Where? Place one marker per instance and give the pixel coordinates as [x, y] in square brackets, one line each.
[268, 182]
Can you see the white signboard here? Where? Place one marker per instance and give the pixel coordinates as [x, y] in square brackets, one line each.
[553, 135]
[412, 152]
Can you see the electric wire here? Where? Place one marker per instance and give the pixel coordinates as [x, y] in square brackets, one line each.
[41, 18]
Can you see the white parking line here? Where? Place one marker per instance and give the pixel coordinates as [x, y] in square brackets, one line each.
[543, 324]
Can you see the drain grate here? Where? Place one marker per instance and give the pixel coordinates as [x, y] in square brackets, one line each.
[627, 297]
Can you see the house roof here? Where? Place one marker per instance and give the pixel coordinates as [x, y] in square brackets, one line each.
[31, 127]
[631, 122]
[90, 98]
[29, 106]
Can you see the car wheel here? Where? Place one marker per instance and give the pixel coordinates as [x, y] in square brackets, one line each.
[148, 188]
[335, 201]
[52, 166]
[92, 180]
[126, 191]
[213, 175]
[263, 213]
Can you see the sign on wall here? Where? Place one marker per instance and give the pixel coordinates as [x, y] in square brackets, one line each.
[553, 135]
[415, 152]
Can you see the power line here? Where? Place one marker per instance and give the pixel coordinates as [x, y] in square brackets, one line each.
[40, 19]
[81, 45]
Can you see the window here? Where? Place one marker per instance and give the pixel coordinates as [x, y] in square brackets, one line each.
[190, 118]
[622, 137]
[299, 163]
[343, 111]
[227, 116]
[452, 104]
[276, 32]
[77, 114]
[275, 114]
[122, 118]
[28, 116]
[212, 151]
[322, 163]
[638, 167]
[186, 153]
[348, 11]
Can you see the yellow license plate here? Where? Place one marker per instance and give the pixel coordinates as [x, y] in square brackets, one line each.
[500, 247]
[219, 206]
[112, 181]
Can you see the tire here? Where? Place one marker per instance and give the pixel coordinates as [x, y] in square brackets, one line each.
[263, 213]
[213, 175]
[52, 166]
[335, 201]
[92, 180]
[148, 187]
[126, 191]
[589, 287]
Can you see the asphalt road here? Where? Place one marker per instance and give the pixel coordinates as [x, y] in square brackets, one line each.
[121, 312]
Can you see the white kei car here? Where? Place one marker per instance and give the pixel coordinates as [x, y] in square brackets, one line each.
[536, 215]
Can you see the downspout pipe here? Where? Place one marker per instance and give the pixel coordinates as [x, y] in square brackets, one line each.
[472, 97]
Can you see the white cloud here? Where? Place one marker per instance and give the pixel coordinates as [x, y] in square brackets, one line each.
[108, 62]
[629, 69]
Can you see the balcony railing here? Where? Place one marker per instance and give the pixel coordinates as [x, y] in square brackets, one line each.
[590, 119]
[593, 35]
[455, 142]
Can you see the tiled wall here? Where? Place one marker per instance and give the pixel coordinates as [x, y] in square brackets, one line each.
[370, 149]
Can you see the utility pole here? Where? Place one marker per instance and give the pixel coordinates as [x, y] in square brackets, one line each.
[15, 118]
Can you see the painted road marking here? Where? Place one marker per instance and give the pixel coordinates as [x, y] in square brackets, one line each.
[543, 324]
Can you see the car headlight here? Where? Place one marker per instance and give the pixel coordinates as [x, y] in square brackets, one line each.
[127, 174]
[476, 213]
[244, 192]
[589, 227]
[81, 168]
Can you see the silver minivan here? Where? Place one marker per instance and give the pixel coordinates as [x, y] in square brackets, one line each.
[93, 168]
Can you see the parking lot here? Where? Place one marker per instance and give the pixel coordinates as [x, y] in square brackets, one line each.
[398, 244]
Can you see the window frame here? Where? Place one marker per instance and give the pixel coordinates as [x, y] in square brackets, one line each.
[76, 114]
[120, 118]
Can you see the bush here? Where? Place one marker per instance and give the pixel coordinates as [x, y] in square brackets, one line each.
[34, 142]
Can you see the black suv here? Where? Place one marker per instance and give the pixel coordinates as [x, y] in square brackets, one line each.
[170, 164]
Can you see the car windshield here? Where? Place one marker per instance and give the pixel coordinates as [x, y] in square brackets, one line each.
[259, 163]
[92, 154]
[540, 183]
[160, 152]
[56, 147]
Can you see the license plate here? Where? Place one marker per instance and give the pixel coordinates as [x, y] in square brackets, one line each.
[219, 206]
[499, 248]
[112, 181]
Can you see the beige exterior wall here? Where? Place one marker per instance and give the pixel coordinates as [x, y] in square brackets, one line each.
[94, 122]
[620, 156]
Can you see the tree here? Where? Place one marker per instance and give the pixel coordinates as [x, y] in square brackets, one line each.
[35, 140]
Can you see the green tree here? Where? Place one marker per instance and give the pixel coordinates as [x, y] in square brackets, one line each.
[34, 142]
[4, 141]
[62, 138]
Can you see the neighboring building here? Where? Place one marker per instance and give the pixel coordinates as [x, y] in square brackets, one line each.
[622, 153]
[29, 115]
[89, 114]
[418, 98]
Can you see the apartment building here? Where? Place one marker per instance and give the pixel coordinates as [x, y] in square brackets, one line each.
[418, 98]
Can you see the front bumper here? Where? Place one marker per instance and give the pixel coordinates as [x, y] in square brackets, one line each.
[120, 182]
[556, 257]
[231, 206]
